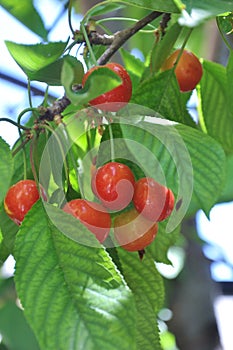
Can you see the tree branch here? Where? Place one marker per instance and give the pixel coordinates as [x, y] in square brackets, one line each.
[122, 36]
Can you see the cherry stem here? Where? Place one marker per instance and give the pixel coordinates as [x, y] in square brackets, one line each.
[88, 43]
[182, 47]
[32, 147]
[69, 16]
[127, 19]
[17, 149]
[111, 142]
[20, 132]
[54, 133]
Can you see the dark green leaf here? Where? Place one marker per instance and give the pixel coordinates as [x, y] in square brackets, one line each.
[26, 13]
[76, 287]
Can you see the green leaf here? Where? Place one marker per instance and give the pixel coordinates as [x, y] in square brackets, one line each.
[50, 74]
[158, 5]
[200, 11]
[188, 161]
[6, 168]
[70, 287]
[12, 321]
[147, 286]
[32, 58]
[161, 93]
[99, 81]
[215, 103]
[26, 13]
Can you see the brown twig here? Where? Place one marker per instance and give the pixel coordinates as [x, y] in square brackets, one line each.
[122, 36]
[164, 22]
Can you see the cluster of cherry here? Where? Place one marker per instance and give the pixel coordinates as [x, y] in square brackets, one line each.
[135, 226]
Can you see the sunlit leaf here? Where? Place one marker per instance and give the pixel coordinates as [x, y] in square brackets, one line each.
[32, 58]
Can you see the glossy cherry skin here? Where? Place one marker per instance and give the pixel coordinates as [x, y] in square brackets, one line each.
[20, 198]
[92, 215]
[153, 200]
[188, 70]
[113, 184]
[133, 231]
[116, 98]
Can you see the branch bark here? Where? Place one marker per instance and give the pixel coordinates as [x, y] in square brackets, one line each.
[121, 37]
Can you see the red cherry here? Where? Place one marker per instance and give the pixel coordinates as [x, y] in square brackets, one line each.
[152, 199]
[113, 183]
[116, 98]
[133, 231]
[188, 70]
[92, 215]
[20, 198]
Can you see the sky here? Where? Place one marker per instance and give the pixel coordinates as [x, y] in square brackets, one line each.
[217, 232]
